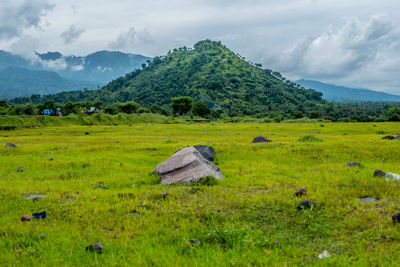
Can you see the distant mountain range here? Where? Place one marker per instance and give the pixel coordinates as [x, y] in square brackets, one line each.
[53, 72]
[344, 94]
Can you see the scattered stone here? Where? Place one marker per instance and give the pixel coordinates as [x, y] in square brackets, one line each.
[101, 187]
[353, 164]
[165, 195]
[261, 139]
[20, 169]
[87, 133]
[368, 199]
[324, 255]
[86, 165]
[33, 197]
[134, 214]
[10, 145]
[396, 218]
[392, 176]
[96, 247]
[186, 165]
[306, 204]
[389, 137]
[301, 191]
[379, 173]
[398, 137]
[125, 195]
[176, 227]
[7, 128]
[40, 215]
[207, 152]
[25, 218]
[51, 159]
[194, 241]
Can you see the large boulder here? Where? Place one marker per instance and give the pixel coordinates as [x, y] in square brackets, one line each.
[186, 165]
[206, 151]
[10, 145]
[261, 139]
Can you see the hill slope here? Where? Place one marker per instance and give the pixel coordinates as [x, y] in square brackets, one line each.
[345, 94]
[16, 82]
[210, 72]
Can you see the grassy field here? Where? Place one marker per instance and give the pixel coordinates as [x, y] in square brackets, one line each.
[249, 218]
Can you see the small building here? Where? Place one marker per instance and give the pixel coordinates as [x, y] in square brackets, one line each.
[48, 112]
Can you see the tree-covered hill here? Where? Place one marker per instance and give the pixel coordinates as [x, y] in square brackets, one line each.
[209, 72]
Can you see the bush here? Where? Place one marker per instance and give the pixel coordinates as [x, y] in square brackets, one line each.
[208, 181]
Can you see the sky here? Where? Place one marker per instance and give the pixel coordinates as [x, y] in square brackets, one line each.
[346, 42]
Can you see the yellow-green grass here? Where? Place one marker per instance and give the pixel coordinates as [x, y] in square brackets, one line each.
[249, 218]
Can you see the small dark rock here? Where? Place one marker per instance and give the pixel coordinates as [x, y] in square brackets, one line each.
[176, 226]
[301, 191]
[51, 159]
[389, 137]
[86, 165]
[10, 145]
[207, 152]
[20, 169]
[396, 218]
[87, 133]
[368, 199]
[165, 195]
[194, 241]
[261, 139]
[96, 247]
[353, 164]
[100, 187]
[40, 215]
[306, 204]
[25, 218]
[379, 173]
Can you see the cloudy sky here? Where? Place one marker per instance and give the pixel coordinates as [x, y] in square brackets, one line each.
[347, 42]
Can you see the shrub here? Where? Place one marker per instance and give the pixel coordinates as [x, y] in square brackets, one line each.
[309, 138]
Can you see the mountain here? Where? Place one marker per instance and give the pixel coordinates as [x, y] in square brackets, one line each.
[209, 72]
[100, 67]
[96, 69]
[345, 94]
[20, 81]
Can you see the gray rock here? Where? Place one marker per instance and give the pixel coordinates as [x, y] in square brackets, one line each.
[20, 169]
[368, 199]
[396, 218]
[206, 151]
[379, 173]
[261, 139]
[301, 191]
[96, 247]
[353, 164]
[33, 197]
[25, 218]
[194, 241]
[10, 145]
[101, 187]
[186, 165]
[86, 165]
[306, 204]
[389, 137]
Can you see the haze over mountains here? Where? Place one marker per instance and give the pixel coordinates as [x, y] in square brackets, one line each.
[345, 94]
[53, 72]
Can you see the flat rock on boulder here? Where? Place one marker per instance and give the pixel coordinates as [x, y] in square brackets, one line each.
[186, 165]
[261, 139]
[206, 151]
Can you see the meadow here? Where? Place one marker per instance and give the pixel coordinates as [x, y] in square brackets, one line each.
[100, 187]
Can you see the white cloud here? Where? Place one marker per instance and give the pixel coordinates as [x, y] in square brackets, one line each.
[70, 35]
[128, 40]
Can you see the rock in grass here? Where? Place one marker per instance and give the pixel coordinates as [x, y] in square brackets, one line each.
[396, 218]
[101, 187]
[33, 197]
[306, 204]
[207, 152]
[194, 241]
[186, 165]
[379, 173]
[353, 164]
[86, 165]
[25, 218]
[389, 137]
[96, 247]
[40, 215]
[368, 199]
[261, 139]
[301, 191]
[20, 169]
[87, 133]
[11, 145]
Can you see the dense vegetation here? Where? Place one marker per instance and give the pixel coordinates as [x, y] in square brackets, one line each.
[213, 76]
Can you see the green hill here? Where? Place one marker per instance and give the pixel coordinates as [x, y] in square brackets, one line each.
[209, 72]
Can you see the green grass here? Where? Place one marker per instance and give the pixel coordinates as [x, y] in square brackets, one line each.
[249, 218]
